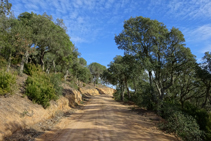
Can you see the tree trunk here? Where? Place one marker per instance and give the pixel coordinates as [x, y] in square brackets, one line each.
[9, 63]
[128, 91]
[48, 70]
[27, 57]
[207, 95]
[43, 65]
[122, 91]
[150, 82]
[54, 66]
[42, 59]
[65, 77]
[134, 85]
[22, 65]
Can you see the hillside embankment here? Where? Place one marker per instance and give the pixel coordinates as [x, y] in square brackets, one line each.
[18, 112]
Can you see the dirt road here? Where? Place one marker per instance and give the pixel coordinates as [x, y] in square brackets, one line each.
[104, 119]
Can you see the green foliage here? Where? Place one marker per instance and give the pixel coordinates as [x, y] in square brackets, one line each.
[84, 85]
[29, 69]
[3, 62]
[116, 95]
[169, 107]
[7, 82]
[202, 117]
[84, 74]
[55, 79]
[40, 89]
[184, 126]
[208, 129]
[96, 70]
[82, 62]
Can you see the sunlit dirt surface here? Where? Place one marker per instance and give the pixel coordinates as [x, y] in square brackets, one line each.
[104, 119]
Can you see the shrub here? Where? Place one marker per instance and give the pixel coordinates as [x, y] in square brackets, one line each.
[117, 95]
[84, 85]
[3, 62]
[202, 117]
[55, 79]
[208, 129]
[29, 69]
[168, 108]
[185, 126]
[7, 82]
[40, 89]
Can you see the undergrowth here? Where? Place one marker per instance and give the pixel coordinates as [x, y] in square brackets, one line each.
[41, 88]
[7, 82]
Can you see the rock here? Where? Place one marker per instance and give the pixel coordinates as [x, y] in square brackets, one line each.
[91, 91]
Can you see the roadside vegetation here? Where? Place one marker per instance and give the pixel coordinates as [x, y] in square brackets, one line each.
[40, 47]
[158, 72]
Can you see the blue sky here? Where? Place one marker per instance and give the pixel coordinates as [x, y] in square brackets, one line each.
[92, 24]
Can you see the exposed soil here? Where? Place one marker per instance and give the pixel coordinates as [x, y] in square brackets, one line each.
[105, 119]
[29, 133]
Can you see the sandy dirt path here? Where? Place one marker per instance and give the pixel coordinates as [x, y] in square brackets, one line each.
[104, 119]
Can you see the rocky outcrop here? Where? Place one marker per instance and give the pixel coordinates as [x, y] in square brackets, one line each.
[91, 91]
[106, 90]
[74, 96]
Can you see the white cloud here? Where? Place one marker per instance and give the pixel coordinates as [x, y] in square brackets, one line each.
[77, 40]
[88, 20]
[32, 6]
[200, 33]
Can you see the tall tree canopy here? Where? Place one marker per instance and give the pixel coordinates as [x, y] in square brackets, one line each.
[96, 70]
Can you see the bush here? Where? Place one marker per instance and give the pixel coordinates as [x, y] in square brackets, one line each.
[208, 129]
[202, 117]
[185, 126]
[169, 107]
[55, 79]
[29, 69]
[7, 82]
[40, 89]
[3, 62]
[84, 85]
[117, 95]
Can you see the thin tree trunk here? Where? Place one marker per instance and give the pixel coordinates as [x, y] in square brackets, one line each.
[22, 64]
[150, 82]
[43, 65]
[27, 57]
[47, 70]
[128, 91]
[65, 77]
[207, 95]
[9, 63]
[54, 66]
[134, 85]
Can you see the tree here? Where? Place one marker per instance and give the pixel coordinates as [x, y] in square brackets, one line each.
[82, 62]
[139, 37]
[160, 51]
[47, 36]
[204, 74]
[96, 70]
[5, 7]
[23, 42]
